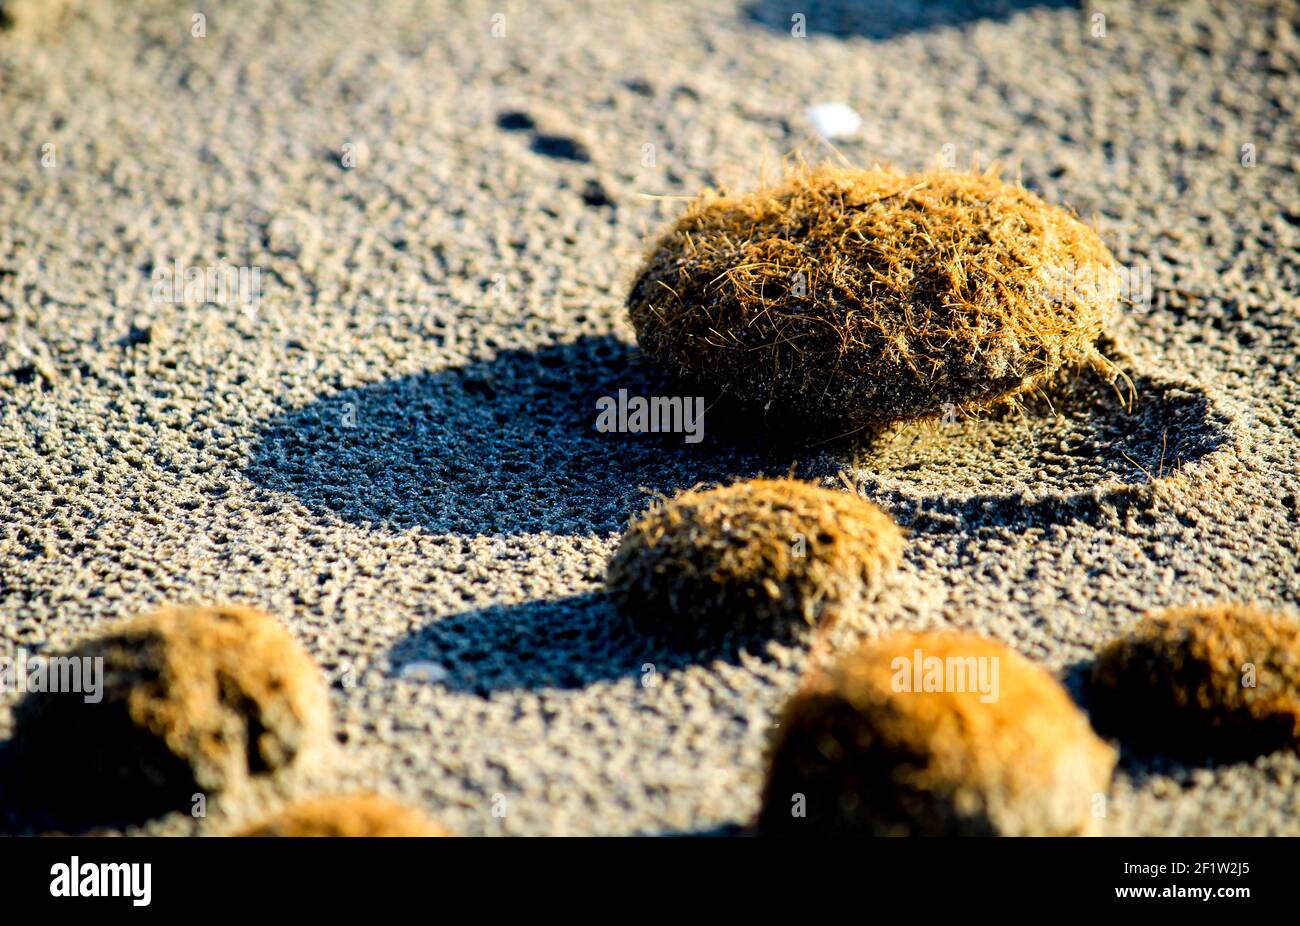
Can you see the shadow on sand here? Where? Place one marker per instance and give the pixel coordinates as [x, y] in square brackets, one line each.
[885, 19]
[509, 446]
[564, 644]
[506, 446]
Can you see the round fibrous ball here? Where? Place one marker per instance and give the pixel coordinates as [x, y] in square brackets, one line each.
[1220, 680]
[843, 299]
[347, 815]
[193, 700]
[764, 556]
[934, 734]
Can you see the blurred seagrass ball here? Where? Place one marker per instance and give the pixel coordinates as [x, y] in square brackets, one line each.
[934, 734]
[347, 815]
[1220, 680]
[193, 700]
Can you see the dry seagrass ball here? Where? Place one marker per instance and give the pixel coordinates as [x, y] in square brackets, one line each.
[194, 700]
[1220, 680]
[772, 557]
[842, 299]
[348, 815]
[978, 741]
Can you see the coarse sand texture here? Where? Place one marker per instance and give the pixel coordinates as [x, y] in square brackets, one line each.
[846, 298]
[760, 557]
[880, 744]
[323, 306]
[195, 700]
[1222, 680]
[355, 815]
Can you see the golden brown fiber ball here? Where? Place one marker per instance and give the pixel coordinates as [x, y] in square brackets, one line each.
[352, 815]
[986, 744]
[195, 700]
[1221, 680]
[763, 556]
[847, 298]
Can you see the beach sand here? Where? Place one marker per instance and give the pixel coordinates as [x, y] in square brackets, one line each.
[391, 449]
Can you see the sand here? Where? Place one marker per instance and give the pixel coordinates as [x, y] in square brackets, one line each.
[392, 451]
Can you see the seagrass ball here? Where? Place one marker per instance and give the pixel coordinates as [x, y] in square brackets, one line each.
[761, 557]
[1220, 680]
[194, 700]
[934, 734]
[841, 299]
[346, 815]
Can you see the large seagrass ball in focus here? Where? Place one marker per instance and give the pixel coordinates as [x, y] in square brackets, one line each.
[842, 299]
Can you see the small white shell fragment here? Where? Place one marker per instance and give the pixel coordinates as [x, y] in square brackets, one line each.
[834, 120]
[430, 672]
